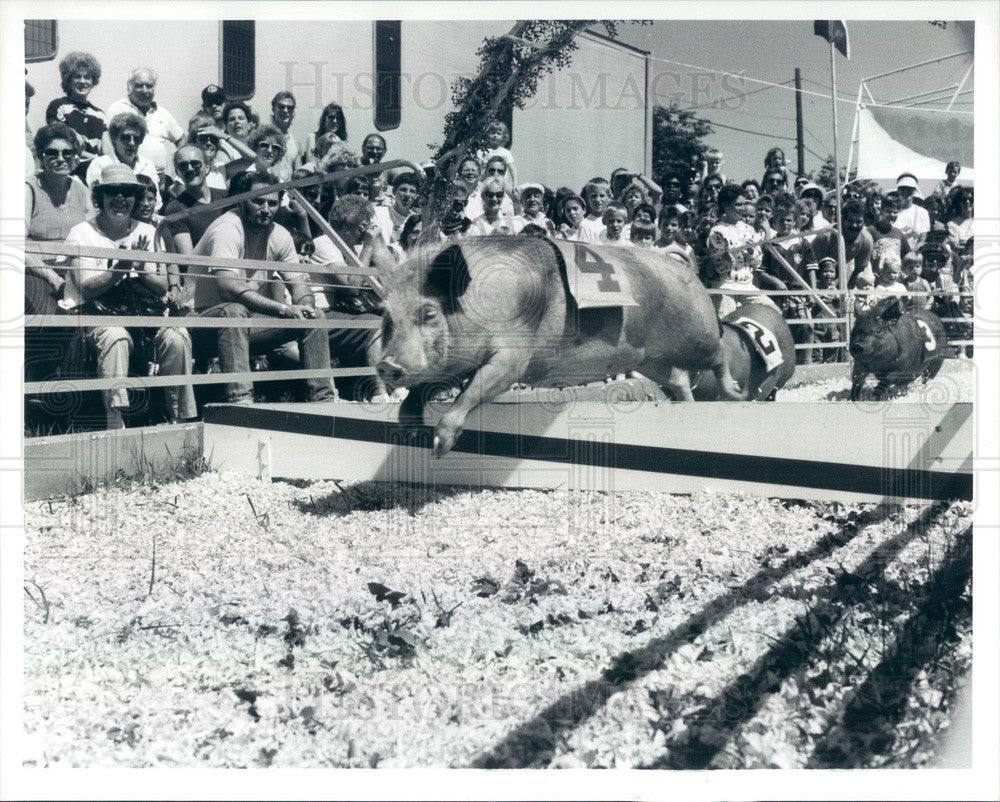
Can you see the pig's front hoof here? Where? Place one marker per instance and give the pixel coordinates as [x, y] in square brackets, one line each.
[445, 437]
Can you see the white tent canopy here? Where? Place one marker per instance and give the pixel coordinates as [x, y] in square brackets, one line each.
[882, 158]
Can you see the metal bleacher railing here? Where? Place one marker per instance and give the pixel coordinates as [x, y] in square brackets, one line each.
[826, 300]
[353, 267]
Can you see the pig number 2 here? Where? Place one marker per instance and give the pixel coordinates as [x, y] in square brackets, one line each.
[589, 262]
[931, 343]
[764, 338]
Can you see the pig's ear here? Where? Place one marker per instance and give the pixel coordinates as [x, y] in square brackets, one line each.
[447, 278]
[892, 311]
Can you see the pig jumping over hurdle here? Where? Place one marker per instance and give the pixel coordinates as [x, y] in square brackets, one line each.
[498, 310]
[897, 346]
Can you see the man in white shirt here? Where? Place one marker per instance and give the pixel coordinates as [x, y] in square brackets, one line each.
[249, 232]
[912, 220]
[163, 131]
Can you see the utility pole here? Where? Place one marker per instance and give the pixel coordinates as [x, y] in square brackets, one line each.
[800, 144]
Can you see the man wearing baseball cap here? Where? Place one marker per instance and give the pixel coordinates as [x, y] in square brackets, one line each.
[213, 99]
[912, 220]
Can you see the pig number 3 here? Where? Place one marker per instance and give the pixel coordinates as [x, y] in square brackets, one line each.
[589, 262]
[931, 344]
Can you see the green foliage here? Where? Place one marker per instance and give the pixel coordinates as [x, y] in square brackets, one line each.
[678, 142]
[510, 68]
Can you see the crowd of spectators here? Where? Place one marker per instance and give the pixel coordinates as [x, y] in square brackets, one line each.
[107, 179]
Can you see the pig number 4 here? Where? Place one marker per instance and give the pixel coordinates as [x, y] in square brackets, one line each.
[931, 344]
[589, 262]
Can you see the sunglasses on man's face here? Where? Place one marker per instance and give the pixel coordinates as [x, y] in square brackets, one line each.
[496, 171]
[267, 147]
[208, 140]
[53, 153]
[195, 165]
[131, 138]
[496, 195]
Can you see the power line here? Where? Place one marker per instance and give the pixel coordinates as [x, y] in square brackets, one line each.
[766, 135]
[743, 95]
[740, 111]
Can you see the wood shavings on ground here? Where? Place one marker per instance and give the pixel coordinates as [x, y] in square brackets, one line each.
[363, 625]
[955, 383]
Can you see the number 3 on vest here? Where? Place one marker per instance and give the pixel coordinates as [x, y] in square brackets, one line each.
[931, 344]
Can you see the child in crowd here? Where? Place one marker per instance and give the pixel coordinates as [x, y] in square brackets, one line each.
[498, 138]
[913, 266]
[670, 228]
[887, 240]
[574, 208]
[641, 235]
[614, 219]
[946, 305]
[765, 211]
[826, 332]
[750, 214]
[145, 208]
[713, 164]
[633, 195]
[887, 282]
[793, 251]
[596, 194]
[671, 238]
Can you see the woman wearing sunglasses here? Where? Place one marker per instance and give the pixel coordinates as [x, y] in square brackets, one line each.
[124, 287]
[54, 201]
[268, 145]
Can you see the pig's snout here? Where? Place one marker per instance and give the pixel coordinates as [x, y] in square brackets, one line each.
[390, 372]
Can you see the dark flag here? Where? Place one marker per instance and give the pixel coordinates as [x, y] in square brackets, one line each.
[835, 32]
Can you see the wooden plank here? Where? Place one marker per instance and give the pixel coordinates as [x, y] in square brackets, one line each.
[843, 452]
[71, 463]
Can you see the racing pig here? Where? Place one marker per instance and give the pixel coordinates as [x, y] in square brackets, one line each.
[497, 310]
[750, 334]
[896, 346]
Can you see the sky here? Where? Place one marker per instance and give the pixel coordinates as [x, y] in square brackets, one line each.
[770, 51]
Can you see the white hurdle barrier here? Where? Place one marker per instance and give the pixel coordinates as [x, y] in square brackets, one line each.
[863, 452]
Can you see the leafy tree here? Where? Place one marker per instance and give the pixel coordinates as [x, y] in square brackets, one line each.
[825, 174]
[678, 142]
[510, 68]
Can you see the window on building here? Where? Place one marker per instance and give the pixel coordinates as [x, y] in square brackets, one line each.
[388, 63]
[39, 39]
[238, 59]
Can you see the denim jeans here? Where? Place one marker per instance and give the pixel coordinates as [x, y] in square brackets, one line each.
[236, 345]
